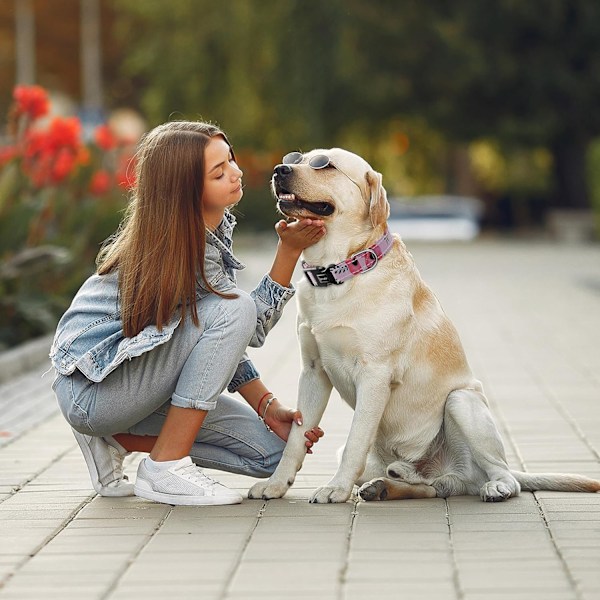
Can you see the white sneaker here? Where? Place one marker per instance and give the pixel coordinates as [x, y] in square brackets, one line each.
[104, 458]
[183, 484]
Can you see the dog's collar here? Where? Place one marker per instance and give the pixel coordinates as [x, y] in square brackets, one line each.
[361, 262]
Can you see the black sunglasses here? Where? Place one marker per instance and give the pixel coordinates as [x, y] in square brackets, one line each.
[318, 161]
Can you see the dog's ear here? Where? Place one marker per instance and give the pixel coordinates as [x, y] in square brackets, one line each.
[379, 209]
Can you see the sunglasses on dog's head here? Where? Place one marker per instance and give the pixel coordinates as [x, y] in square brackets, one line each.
[318, 161]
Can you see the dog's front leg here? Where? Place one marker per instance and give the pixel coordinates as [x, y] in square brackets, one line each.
[313, 393]
[372, 395]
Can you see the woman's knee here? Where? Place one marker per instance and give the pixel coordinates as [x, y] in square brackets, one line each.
[238, 313]
[242, 311]
[72, 403]
[241, 315]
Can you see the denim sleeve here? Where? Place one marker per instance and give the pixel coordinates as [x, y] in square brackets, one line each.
[214, 272]
[270, 299]
[245, 373]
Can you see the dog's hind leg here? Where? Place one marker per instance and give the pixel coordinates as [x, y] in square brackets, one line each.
[375, 467]
[383, 488]
[469, 426]
[377, 483]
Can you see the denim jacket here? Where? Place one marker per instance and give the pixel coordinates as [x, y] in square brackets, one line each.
[90, 337]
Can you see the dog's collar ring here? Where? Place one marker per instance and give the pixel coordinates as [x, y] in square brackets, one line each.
[355, 259]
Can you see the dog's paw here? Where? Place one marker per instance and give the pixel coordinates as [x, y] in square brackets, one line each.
[376, 489]
[330, 494]
[267, 490]
[496, 491]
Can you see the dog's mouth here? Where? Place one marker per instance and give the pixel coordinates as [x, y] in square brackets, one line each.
[292, 206]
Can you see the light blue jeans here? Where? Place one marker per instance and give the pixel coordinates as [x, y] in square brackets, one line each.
[191, 370]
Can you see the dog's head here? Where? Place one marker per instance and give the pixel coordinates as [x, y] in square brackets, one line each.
[330, 185]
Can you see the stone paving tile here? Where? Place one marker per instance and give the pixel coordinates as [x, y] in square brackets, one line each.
[359, 590]
[185, 591]
[25, 402]
[526, 594]
[541, 369]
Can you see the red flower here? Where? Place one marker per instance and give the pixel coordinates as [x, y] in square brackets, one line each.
[64, 164]
[100, 183]
[31, 100]
[104, 137]
[51, 156]
[64, 132]
[36, 142]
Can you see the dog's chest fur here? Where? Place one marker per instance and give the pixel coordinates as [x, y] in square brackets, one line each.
[349, 340]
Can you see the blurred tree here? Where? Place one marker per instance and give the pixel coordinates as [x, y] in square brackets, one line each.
[264, 70]
[525, 73]
[253, 66]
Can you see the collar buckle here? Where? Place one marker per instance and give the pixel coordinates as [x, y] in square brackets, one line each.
[321, 276]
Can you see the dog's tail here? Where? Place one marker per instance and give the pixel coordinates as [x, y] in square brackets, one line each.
[556, 482]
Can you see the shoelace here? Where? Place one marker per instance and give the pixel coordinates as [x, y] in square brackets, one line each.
[117, 464]
[196, 475]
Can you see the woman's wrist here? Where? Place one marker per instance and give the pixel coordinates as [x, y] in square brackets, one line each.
[253, 392]
[262, 403]
[284, 264]
[266, 405]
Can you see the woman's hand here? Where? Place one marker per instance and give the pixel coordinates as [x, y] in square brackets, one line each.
[293, 238]
[298, 235]
[280, 419]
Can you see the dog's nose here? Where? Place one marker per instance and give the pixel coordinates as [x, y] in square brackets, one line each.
[282, 170]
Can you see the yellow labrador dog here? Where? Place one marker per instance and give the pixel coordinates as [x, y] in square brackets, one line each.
[371, 327]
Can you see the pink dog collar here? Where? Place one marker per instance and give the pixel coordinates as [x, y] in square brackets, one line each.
[361, 262]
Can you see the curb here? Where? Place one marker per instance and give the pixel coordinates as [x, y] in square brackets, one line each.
[24, 357]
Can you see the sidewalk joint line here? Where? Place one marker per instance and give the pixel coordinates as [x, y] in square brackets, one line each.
[20, 487]
[460, 594]
[574, 583]
[231, 575]
[10, 441]
[115, 582]
[568, 418]
[346, 564]
[41, 546]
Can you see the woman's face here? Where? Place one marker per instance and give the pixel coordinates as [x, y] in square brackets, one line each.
[222, 180]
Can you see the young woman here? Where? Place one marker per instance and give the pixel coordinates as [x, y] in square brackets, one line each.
[153, 339]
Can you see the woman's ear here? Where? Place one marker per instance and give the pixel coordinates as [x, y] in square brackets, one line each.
[379, 209]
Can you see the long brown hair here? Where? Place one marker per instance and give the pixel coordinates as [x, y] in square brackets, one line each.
[159, 247]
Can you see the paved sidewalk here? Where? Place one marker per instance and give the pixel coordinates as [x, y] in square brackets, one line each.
[529, 316]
